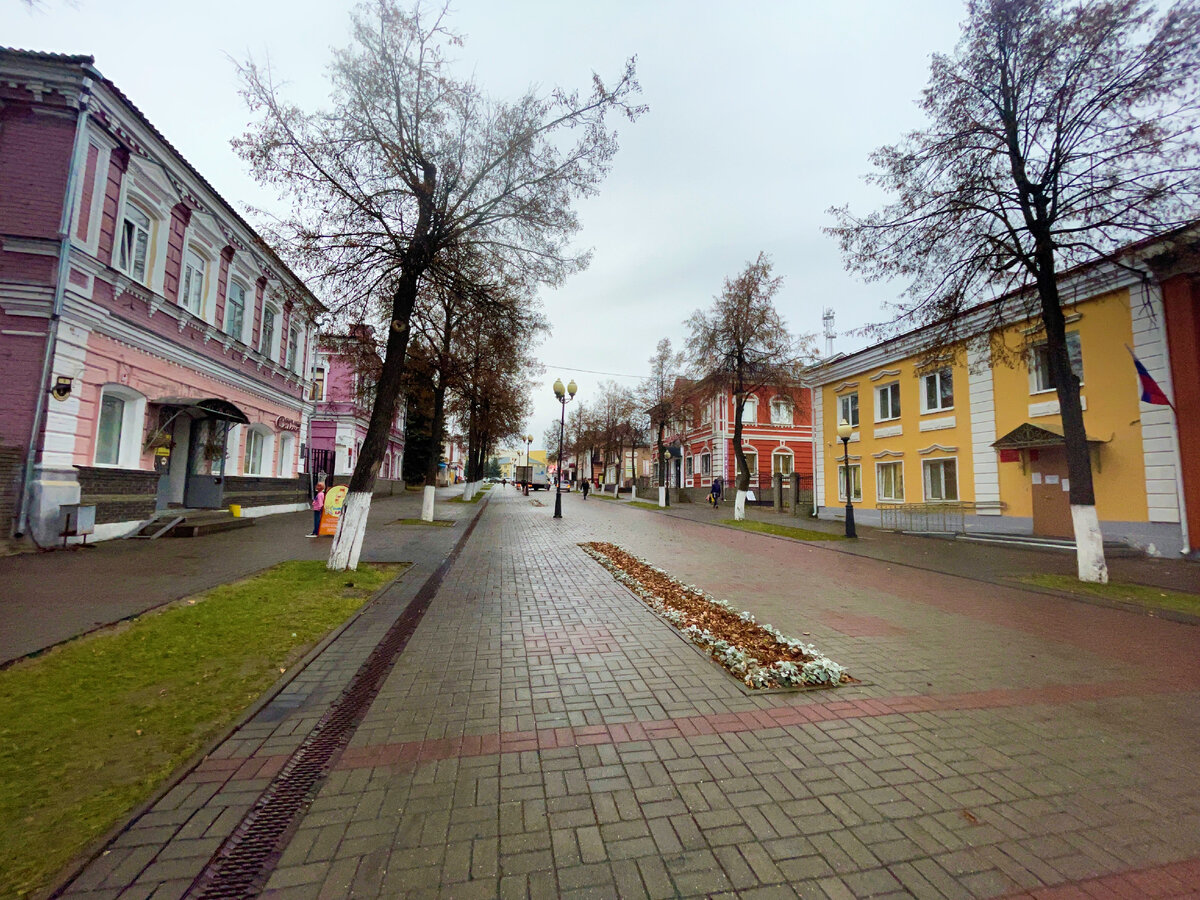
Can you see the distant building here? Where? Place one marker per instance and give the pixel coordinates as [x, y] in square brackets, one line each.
[776, 437]
[155, 351]
[343, 394]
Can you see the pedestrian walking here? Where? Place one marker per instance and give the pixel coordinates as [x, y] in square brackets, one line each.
[714, 494]
[318, 507]
[586, 487]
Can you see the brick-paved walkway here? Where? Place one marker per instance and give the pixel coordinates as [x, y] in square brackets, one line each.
[544, 735]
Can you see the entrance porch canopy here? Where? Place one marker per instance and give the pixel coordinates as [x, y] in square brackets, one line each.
[1027, 435]
[213, 407]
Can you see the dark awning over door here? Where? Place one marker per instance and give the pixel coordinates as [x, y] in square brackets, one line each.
[213, 407]
[1028, 435]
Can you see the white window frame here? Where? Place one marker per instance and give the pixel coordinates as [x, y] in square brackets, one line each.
[285, 462]
[936, 379]
[750, 411]
[751, 466]
[783, 411]
[855, 481]
[293, 355]
[133, 418]
[233, 448]
[191, 281]
[241, 327]
[705, 465]
[783, 453]
[892, 390]
[927, 466]
[706, 413]
[268, 344]
[848, 408]
[1039, 371]
[318, 382]
[691, 466]
[126, 258]
[261, 466]
[897, 466]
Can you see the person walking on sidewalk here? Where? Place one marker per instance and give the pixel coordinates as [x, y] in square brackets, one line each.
[318, 507]
[714, 495]
[586, 487]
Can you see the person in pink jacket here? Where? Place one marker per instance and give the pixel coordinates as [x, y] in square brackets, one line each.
[318, 506]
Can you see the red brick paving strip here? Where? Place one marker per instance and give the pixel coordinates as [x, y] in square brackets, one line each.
[1173, 880]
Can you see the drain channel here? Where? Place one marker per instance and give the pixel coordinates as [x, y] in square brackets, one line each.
[241, 865]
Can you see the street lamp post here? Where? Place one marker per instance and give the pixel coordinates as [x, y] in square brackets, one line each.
[528, 471]
[844, 430]
[562, 424]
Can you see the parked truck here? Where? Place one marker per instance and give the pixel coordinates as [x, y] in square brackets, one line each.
[535, 474]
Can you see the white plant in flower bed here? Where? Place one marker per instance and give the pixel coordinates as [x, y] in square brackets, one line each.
[815, 669]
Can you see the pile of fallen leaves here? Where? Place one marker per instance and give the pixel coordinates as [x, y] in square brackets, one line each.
[758, 654]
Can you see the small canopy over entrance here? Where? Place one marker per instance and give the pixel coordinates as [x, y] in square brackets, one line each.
[1027, 435]
[210, 407]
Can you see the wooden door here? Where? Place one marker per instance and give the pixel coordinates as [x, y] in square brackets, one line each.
[1051, 500]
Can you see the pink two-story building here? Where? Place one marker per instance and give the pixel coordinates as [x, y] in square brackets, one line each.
[156, 352]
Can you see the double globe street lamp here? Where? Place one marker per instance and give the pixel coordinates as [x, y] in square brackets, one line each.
[561, 394]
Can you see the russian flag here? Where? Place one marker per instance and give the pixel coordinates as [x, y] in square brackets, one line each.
[1151, 392]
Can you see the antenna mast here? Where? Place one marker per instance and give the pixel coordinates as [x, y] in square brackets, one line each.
[830, 334]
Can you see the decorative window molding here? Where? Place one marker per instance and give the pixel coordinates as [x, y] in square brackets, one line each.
[885, 373]
[1067, 320]
[938, 447]
[883, 454]
[889, 431]
[937, 424]
[1051, 408]
[845, 386]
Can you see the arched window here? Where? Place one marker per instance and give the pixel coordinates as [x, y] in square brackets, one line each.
[120, 415]
[259, 445]
[782, 461]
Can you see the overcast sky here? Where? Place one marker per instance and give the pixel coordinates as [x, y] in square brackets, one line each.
[761, 118]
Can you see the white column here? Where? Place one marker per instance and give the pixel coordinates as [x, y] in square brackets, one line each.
[982, 401]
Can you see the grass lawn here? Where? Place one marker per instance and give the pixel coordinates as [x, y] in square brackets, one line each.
[800, 534]
[478, 496]
[601, 496]
[442, 523]
[642, 505]
[1140, 594]
[91, 728]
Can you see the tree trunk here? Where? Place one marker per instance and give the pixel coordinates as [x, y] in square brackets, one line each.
[662, 466]
[743, 468]
[1089, 541]
[352, 526]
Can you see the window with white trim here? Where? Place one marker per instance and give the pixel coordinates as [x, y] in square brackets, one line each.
[235, 309]
[848, 408]
[937, 391]
[751, 462]
[690, 466]
[855, 482]
[705, 464]
[781, 462]
[293, 349]
[889, 481]
[706, 413]
[257, 460]
[782, 411]
[287, 449]
[266, 338]
[750, 411]
[191, 290]
[119, 419]
[135, 241]
[941, 479]
[1042, 377]
[318, 384]
[887, 402]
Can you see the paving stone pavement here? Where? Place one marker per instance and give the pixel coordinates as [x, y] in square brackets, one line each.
[544, 735]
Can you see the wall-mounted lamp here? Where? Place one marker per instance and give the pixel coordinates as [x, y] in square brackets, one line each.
[62, 387]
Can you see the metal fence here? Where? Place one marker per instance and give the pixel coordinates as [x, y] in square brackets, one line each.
[930, 518]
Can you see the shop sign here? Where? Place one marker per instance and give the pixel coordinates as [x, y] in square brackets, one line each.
[283, 423]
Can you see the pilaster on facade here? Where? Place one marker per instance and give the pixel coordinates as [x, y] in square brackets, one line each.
[818, 447]
[982, 403]
[1159, 441]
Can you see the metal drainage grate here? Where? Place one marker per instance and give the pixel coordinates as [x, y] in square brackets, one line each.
[241, 865]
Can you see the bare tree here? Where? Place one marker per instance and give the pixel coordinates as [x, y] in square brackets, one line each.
[411, 161]
[658, 399]
[1058, 131]
[741, 344]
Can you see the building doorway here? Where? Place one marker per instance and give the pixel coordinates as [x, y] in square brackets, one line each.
[1049, 487]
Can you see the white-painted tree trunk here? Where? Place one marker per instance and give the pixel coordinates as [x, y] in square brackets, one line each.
[662, 496]
[633, 491]
[468, 491]
[1089, 544]
[352, 526]
[427, 503]
[739, 506]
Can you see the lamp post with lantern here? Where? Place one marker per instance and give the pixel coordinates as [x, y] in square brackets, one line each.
[563, 399]
[528, 439]
[844, 430]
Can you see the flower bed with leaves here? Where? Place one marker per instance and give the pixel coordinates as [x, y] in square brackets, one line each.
[760, 655]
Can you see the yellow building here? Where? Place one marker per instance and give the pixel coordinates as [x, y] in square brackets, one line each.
[973, 441]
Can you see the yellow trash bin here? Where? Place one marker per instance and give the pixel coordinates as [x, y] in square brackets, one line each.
[235, 510]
